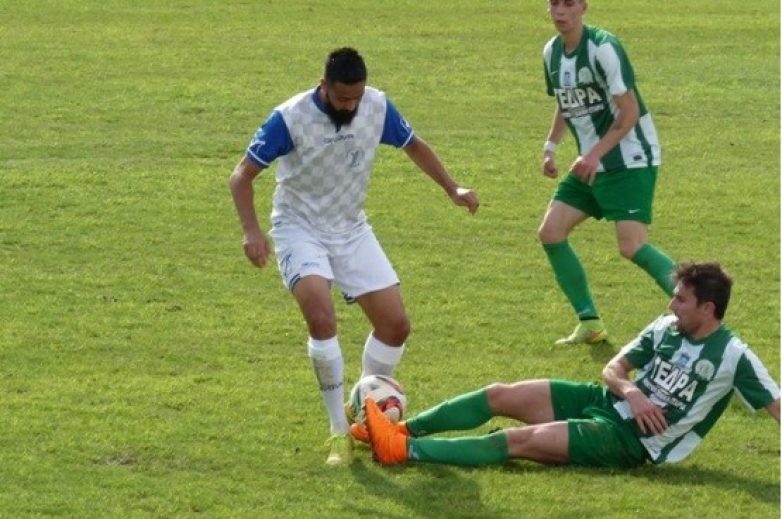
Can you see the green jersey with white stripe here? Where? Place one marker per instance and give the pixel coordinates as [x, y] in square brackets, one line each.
[584, 83]
[692, 381]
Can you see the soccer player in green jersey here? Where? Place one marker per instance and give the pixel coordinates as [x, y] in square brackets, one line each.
[688, 365]
[589, 74]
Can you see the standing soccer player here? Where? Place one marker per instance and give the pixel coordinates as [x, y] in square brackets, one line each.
[325, 139]
[589, 74]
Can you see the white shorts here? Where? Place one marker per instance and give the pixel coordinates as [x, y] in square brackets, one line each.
[356, 263]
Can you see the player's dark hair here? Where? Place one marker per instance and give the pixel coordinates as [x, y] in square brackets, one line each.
[346, 66]
[709, 282]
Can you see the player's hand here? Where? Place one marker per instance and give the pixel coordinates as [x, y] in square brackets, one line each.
[585, 168]
[466, 198]
[649, 417]
[550, 166]
[256, 248]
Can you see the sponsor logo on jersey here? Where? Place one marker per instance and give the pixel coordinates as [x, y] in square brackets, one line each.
[671, 384]
[579, 101]
[338, 138]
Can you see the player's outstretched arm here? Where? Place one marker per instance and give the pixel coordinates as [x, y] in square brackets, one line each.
[426, 159]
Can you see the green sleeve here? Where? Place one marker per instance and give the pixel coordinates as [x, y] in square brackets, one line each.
[753, 383]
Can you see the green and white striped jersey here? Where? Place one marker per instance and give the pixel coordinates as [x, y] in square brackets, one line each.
[585, 83]
[692, 382]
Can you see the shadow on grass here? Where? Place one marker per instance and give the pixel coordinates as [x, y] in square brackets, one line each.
[602, 352]
[430, 491]
[673, 475]
[762, 490]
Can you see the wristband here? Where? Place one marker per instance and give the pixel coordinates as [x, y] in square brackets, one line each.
[550, 146]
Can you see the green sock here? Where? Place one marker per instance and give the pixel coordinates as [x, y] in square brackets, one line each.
[466, 411]
[466, 451]
[657, 264]
[571, 277]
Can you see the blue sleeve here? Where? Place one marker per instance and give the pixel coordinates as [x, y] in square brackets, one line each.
[396, 130]
[272, 140]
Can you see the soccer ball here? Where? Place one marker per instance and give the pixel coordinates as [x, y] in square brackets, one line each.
[384, 390]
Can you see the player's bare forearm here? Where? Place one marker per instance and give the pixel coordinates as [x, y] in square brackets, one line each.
[558, 127]
[425, 158]
[616, 376]
[554, 137]
[255, 244]
[240, 182]
[624, 122]
[773, 409]
[649, 417]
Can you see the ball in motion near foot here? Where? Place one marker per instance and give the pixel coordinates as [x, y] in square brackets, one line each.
[384, 390]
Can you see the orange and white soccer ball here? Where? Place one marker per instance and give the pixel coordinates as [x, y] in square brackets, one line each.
[384, 390]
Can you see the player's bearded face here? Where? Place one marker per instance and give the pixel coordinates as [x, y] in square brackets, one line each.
[337, 116]
[341, 101]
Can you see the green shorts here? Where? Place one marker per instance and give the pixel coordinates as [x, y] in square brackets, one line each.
[597, 435]
[616, 195]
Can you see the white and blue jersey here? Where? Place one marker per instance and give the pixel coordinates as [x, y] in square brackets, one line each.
[323, 170]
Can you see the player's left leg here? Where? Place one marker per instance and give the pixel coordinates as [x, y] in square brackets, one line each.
[626, 198]
[364, 273]
[385, 344]
[631, 238]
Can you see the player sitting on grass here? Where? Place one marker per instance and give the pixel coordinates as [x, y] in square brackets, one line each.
[688, 366]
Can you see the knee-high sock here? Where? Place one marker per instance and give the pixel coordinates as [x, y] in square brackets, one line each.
[571, 278]
[657, 264]
[466, 411]
[466, 451]
[380, 358]
[327, 362]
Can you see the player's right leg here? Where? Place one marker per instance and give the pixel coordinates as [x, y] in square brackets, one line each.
[544, 443]
[560, 219]
[528, 401]
[314, 297]
[306, 271]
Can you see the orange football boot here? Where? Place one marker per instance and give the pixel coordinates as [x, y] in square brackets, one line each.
[389, 446]
[360, 433]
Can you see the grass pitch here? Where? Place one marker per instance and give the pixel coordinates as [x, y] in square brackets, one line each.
[146, 370]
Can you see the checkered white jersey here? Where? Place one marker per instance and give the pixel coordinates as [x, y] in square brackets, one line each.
[323, 181]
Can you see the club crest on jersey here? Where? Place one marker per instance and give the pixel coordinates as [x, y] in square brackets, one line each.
[705, 369]
[355, 157]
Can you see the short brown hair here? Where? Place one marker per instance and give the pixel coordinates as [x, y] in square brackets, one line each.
[709, 282]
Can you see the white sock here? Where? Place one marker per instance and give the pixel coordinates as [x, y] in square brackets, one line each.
[327, 362]
[380, 358]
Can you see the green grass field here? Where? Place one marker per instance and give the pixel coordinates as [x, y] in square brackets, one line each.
[147, 370]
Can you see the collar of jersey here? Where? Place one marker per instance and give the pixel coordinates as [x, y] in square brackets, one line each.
[316, 99]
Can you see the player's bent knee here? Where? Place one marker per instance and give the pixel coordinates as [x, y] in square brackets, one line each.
[499, 397]
[628, 249]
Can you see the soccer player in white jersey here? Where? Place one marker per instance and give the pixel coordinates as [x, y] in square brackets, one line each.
[688, 366]
[325, 140]
[592, 80]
